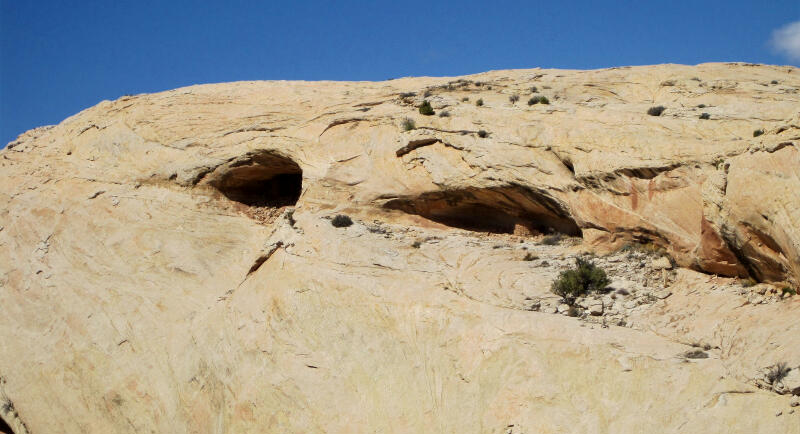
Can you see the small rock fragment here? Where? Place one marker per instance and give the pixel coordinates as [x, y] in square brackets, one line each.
[661, 263]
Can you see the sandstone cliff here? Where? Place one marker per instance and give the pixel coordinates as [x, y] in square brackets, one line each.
[168, 261]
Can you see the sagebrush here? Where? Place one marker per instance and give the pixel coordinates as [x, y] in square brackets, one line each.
[578, 281]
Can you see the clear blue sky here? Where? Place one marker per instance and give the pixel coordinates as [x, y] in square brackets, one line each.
[58, 58]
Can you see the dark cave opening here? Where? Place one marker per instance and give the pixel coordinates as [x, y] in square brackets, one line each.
[509, 210]
[4, 428]
[265, 180]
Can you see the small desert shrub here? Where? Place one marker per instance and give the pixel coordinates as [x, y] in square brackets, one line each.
[444, 114]
[407, 95]
[341, 221]
[695, 354]
[534, 89]
[788, 290]
[667, 83]
[479, 102]
[530, 257]
[409, 124]
[552, 239]
[774, 82]
[513, 98]
[465, 99]
[747, 282]
[578, 281]
[757, 133]
[538, 100]
[426, 109]
[656, 111]
[778, 372]
[705, 116]
[482, 134]
[704, 346]
[427, 93]
[701, 106]
[417, 244]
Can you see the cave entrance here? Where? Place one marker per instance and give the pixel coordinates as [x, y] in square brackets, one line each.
[262, 180]
[4, 428]
[503, 210]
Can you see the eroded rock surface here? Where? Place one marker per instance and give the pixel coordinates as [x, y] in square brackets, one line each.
[168, 262]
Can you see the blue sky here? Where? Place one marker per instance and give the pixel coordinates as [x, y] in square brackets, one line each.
[57, 58]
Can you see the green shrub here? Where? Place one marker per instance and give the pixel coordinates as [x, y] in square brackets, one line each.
[701, 106]
[409, 124]
[747, 282]
[578, 281]
[774, 82]
[757, 133]
[341, 221]
[479, 102]
[778, 372]
[426, 109]
[483, 134]
[656, 111]
[538, 100]
[788, 290]
[444, 114]
[705, 116]
[534, 89]
[513, 98]
[552, 239]
[465, 99]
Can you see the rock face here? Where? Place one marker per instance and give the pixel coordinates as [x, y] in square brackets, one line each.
[168, 262]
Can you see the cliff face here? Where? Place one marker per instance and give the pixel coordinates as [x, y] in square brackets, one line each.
[168, 261]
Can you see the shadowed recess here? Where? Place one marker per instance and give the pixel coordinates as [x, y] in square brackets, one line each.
[4, 428]
[511, 210]
[263, 180]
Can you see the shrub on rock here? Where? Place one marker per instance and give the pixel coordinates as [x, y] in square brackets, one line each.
[341, 221]
[580, 280]
[538, 100]
[426, 109]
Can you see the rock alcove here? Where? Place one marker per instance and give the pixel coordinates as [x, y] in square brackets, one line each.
[503, 210]
[261, 184]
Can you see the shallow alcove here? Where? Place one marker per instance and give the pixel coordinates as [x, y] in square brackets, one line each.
[509, 210]
[4, 428]
[262, 180]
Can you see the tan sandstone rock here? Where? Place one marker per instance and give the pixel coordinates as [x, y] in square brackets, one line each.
[168, 262]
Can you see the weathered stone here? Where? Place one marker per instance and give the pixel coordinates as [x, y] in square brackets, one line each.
[661, 263]
[151, 280]
[792, 381]
[662, 294]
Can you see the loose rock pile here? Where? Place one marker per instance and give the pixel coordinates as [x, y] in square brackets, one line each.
[780, 379]
[638, 280]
